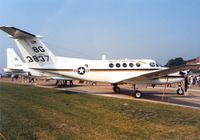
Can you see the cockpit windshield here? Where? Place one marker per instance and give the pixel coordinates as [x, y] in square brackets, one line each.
[158, 65]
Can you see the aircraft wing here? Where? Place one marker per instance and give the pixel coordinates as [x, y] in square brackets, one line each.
[162, 73]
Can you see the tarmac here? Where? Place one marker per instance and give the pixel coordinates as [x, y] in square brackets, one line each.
[156, 95]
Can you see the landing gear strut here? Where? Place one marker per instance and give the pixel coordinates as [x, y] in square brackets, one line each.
[180, 90]
[116, 89]
[136, 93]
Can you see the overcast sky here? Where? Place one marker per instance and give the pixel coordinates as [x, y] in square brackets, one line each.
[156, 29]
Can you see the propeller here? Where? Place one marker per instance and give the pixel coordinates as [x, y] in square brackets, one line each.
[186, 83]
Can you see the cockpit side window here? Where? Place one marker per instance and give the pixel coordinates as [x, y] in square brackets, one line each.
[158, 65]
[138, 64]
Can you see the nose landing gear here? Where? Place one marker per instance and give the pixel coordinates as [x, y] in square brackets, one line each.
[183, 87]
[180, 91]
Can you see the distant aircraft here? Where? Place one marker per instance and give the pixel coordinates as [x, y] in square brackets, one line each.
[136, 71]
[16, 66]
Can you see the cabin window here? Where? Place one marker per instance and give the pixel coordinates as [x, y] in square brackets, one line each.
[124, 65]
[138, 64]
[152, 64]
[111, 65]
[131, 65]
[118, 65]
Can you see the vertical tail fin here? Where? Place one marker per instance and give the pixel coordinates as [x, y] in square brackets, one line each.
[34, 52]
[13, 60]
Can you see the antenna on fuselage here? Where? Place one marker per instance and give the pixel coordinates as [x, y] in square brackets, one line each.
[103, 57]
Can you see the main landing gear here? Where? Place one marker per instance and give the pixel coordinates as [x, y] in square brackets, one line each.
[64, 83]
[137, 93]
[116, 89]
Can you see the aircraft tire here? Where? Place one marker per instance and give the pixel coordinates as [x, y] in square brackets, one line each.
[94, 84]
[116, 89]
[180, 91]
[138, 94]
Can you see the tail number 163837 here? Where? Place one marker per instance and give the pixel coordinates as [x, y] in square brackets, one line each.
[41, 58]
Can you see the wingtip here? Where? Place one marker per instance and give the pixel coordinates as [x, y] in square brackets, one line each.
[5, 26]
[194, 64]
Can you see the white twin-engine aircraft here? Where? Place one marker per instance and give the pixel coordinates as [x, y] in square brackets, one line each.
[137, 71]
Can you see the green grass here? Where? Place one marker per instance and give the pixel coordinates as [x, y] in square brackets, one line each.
[29, 113]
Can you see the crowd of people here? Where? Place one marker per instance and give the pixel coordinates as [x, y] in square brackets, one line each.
[194, 80]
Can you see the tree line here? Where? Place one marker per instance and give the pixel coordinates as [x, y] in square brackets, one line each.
[175, 62]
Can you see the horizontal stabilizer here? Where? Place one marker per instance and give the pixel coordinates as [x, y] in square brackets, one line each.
[17, 33]
[8, 70]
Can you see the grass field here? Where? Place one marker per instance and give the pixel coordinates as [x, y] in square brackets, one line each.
[29, 113]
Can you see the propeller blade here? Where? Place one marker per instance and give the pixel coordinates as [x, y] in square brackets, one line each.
[186, 83]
